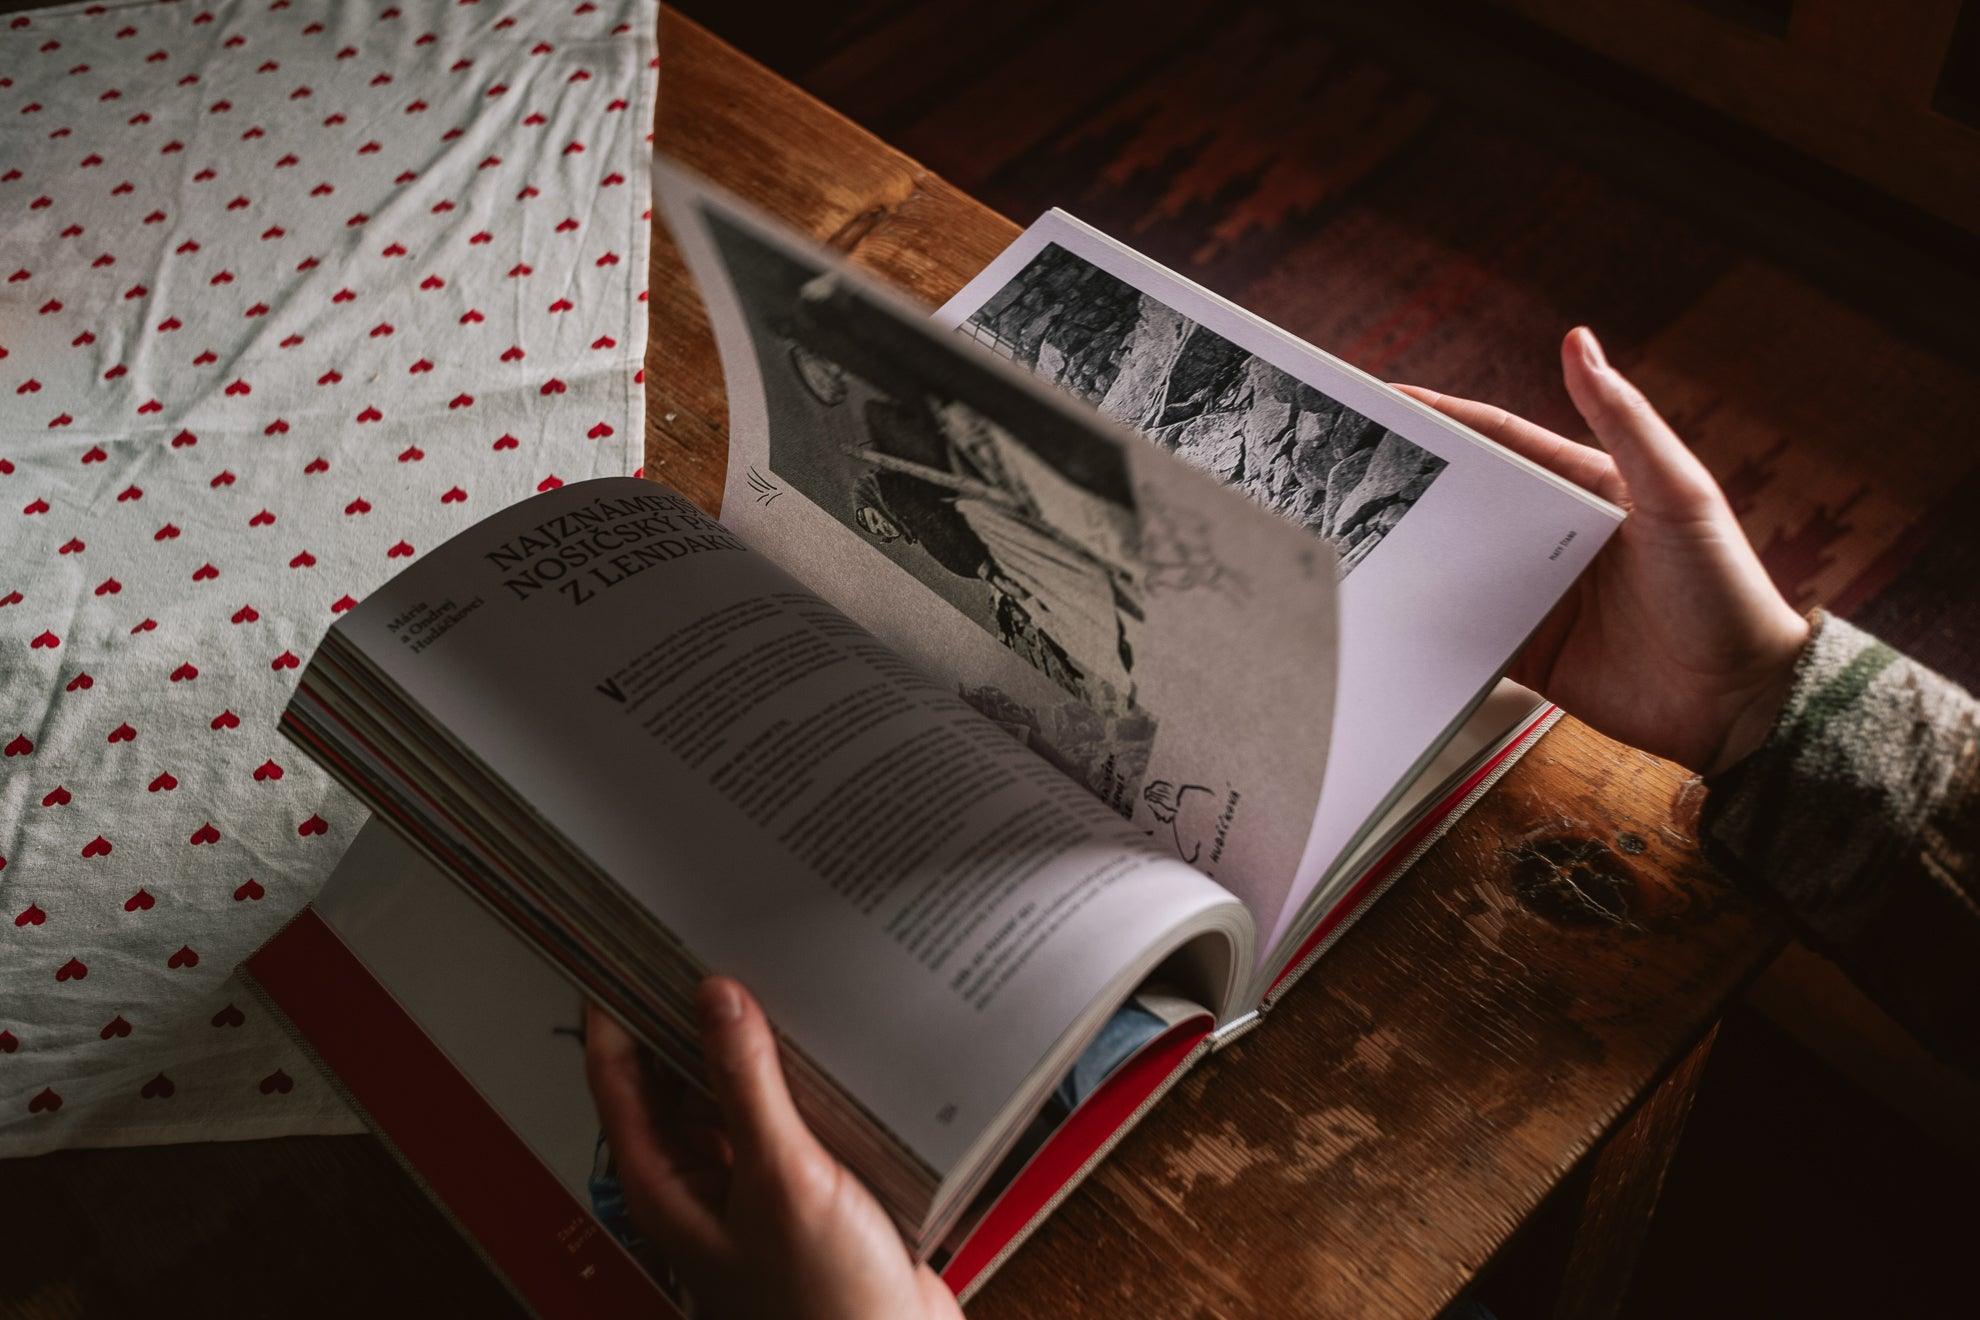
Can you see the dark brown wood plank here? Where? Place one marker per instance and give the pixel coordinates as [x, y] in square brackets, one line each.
[1626, 1176]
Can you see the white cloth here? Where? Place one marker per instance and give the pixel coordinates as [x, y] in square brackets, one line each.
[289, 293]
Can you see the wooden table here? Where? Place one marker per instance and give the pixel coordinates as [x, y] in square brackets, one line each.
[1533, 1002]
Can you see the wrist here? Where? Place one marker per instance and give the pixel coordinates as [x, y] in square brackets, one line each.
[1755, 716]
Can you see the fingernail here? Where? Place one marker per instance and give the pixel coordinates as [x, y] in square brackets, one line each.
[1591, 349]
[720, 1003]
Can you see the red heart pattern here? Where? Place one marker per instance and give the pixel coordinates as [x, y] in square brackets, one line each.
[381, 331]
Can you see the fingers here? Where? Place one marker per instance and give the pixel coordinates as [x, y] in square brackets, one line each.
[655, 1175]
[763, 1124]
[1663, 476]
[1587, 467]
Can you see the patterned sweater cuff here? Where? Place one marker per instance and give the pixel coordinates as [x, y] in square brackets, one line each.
[1864, 754]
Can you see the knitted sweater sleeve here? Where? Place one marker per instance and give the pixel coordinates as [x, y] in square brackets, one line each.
[1861, 816]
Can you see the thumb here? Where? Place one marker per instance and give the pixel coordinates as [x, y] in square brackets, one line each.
[762, 1123]
[1663, 476]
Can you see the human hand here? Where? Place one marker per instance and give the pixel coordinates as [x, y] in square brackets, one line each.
[752, 1213]
[1675, 640]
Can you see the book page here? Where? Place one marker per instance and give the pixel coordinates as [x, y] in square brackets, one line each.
[1452, 549]
[1160, 640]
[924, 908]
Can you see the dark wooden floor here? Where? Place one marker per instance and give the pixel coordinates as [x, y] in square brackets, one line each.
[1439, 201]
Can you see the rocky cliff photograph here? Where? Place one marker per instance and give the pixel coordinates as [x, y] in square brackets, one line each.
[1217, 405]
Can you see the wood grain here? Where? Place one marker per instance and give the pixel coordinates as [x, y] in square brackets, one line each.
[1364, 1153]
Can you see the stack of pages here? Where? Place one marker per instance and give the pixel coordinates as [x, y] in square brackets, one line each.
[1064, 674]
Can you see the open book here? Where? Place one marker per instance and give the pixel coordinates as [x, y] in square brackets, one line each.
[1005, 753]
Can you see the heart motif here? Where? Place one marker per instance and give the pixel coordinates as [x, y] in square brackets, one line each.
[276, 427]
[166, 533]
[57, 796]
[116, 1026]
[303, 559]
[330, 377]
[505, 442]
[432, 282]
[342, 603]
[551, 482]
[513, 353]
[229, 1017]
[553, 386]
[203, 835]
[45, 1101]
[600, 431]
[267, 770]
[411, 454]
[8, 1042]
[165, 783]
[74, 545]
[357, 506]
[143, 625]
[286, 660]
[239, 388]
[399, 551]
[97, 847]
[472, 317]
[184, 958]
[31, 915]
[184, 439]
[205, 573]
[370, 414]
[419, 367]
[80, 683]
[246, 614]
[460, 401]
[453, 495]
[277, 1082]
[123, 733]
[46, 640]
[158, 1088]
[314, 825]
[561, 305]
[20, 746]
[262, 519]
[73, 970]
[221, 478]
[185, 673]
[249, 891]
[141, 901]
[314, 466]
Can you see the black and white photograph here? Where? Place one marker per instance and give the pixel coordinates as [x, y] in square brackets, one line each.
[1218, 406]
[1017, 516]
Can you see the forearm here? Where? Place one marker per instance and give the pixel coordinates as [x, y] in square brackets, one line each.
[1861, 815]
